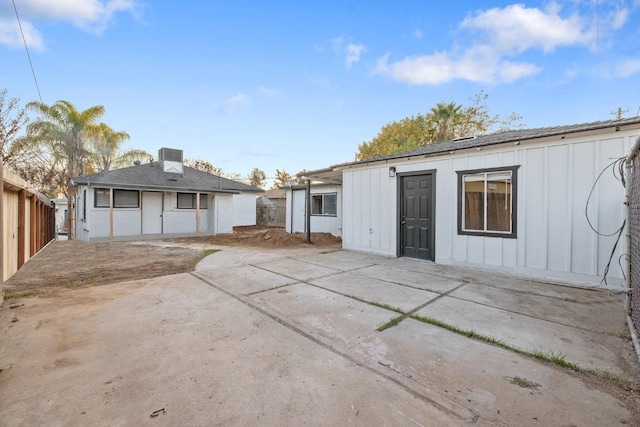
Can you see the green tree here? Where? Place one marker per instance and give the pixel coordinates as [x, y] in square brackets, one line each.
[445, 119]
[12, 119]
[106, 149]
[65, 131]
[282, 178]
[257, 178]
[204, 166]
[443, 122]
[410, 132]
[22, 153]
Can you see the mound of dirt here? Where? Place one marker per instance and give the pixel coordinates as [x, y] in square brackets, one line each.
[265, 237]
[72, 264]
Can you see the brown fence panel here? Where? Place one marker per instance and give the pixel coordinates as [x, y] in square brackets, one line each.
[27, 218]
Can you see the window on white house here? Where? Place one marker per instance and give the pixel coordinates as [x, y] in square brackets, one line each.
[324, 204]
[101, 198]
[126, 199]
[121, 198]
[188, 201]
[487, 202]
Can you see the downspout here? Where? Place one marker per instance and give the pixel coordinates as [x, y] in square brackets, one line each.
[291, 213]
[627, 166]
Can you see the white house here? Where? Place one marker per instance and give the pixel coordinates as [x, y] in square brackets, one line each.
[161, 199]
[326, 209]
[62, 215]
[521, 202]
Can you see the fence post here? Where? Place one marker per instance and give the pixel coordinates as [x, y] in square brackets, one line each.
[1, 230]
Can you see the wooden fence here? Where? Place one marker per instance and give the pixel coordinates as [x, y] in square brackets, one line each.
[27, 222]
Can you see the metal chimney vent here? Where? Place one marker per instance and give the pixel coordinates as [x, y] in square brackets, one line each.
[170, 154]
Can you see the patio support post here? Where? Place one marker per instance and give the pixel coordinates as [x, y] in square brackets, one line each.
[110, 213]
[197, 214]
[308, 211]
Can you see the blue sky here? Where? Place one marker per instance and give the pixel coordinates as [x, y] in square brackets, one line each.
[299, 84]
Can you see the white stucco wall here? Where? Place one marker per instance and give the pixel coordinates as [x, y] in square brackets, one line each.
[296, 206]
[554, 240]
[218, 217]
[244, 209]
[223, 206]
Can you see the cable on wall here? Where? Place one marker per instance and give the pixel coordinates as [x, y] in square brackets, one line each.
[616, 166]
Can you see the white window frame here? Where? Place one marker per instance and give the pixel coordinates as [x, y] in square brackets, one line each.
[322, 197]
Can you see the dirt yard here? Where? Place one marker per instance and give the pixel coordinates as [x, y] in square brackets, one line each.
[73, 264]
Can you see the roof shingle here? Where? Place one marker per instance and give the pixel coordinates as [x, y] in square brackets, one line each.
[152, 176]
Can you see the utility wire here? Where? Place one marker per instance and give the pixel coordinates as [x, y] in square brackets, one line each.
[27, 49]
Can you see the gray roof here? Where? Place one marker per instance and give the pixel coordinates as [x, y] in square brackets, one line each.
[491, 139]
[152, 176]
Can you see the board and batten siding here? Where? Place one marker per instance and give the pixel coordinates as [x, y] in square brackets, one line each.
[554, 240]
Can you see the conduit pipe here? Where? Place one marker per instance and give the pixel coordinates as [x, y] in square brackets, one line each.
[627, 166]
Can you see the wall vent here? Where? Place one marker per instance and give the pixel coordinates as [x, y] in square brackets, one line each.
[464, 138]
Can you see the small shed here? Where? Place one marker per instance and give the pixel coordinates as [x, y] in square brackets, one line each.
[326, 208]
[543, 203]
[62, 216]
[160, 199]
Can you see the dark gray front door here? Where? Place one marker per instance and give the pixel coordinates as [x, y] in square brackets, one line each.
[417, 205]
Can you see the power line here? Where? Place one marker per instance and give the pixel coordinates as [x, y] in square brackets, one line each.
[27, 49]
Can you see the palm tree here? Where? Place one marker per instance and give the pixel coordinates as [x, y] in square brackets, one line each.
[446, 118]
[65, 132]
[106, 149]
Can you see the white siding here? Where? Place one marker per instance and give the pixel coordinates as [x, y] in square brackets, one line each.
[244, 209]
[127, 222]
[217, 218]
[296, 208]
[223, 221]
[370, 210]
[554, 240]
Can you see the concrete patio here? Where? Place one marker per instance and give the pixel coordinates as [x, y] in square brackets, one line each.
[290, 337]
[341, 298]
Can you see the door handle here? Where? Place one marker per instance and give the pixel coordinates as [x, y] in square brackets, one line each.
[402, 222]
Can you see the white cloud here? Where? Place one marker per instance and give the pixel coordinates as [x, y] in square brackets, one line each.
[517, 28]
[442, 67]
[10, 35]
[628, 67]
[233, 102]
[509, 72]
[90, 15]
[570, 73]
[620, 18]
[353, 52]
[418, 34]
[502, 34]
[269, 92]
